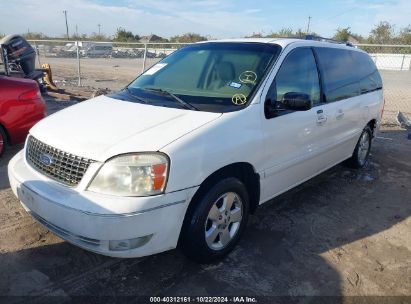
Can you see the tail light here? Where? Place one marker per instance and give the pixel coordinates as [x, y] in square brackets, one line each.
[30, 95]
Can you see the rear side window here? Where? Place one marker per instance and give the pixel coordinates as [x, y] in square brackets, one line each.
[369, 77]
[347, 73]
[339, 70]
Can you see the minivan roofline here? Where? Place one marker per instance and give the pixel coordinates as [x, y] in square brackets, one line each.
[284, 42]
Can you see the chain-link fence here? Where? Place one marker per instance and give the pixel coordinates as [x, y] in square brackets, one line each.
[113, 65]
[394, 64]
[99, 64]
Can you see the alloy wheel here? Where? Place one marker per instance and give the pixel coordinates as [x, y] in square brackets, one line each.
[223, 221]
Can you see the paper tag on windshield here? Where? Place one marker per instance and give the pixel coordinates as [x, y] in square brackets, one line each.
[235, 85]
[155, 68]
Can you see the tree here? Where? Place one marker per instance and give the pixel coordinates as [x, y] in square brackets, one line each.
[301, 34]
[255, 35]
[188, 38]
[98, 37]
[284, 32]
[122, 35]
[345, 34]
[75, 37]
[34, 36]
[153, 38]
[383, 33]
[342, 34]
[405, 35]
[288, 33]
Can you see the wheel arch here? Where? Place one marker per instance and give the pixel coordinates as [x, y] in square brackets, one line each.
[244, 171]
[373, 125]
[7, 139]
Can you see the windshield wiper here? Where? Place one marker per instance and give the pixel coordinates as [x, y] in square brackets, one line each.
[134, 96]
[178, 99]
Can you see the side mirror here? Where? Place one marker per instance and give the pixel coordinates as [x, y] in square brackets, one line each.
[296, 101]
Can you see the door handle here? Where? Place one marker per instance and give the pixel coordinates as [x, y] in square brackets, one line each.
[321, 117]
[340, 114]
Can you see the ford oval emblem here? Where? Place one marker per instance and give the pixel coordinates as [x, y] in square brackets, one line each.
[46, 159]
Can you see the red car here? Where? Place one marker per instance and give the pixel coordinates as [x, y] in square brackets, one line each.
[21, 106]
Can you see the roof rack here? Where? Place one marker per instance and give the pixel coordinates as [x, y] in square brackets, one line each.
[318, 38]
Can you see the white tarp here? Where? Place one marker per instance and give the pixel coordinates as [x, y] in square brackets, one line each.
[397, 62]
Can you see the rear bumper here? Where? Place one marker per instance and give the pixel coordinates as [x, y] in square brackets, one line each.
[147, 224]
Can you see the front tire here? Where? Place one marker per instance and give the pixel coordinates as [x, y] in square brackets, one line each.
[362, 150]
[215, 221]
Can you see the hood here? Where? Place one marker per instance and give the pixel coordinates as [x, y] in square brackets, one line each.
[104, 127]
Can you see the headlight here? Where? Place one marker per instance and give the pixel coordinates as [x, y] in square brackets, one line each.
[140, 174]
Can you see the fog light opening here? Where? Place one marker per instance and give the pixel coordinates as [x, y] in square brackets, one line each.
[121, 245]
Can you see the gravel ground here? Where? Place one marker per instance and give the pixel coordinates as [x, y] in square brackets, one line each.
[344, 233]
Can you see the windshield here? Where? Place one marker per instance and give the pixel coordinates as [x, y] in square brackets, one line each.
[215, 77]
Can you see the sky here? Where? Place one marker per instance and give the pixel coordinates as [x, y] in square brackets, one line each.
[213, 18]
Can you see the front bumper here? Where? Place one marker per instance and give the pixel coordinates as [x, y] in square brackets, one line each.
[94, 221]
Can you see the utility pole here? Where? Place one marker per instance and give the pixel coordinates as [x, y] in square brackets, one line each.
[65, 15]
[308, 26]
[99, 27]
[76, 30]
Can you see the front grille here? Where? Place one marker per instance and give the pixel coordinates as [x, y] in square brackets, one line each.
[56, 164]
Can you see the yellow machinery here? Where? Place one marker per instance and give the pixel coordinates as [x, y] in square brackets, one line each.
[48, 77]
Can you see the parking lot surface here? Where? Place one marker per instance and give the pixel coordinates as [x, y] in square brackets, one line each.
[345, 232]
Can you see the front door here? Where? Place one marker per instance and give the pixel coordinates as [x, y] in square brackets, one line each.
[291, 138]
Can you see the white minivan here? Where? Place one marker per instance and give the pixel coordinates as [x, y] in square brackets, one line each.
[97, 49]
[183, 155]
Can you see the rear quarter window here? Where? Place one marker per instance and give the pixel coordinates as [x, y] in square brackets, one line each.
[339, 73]
[369, 77]
[347, 73]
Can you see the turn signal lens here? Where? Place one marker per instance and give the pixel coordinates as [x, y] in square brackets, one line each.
[158, 173]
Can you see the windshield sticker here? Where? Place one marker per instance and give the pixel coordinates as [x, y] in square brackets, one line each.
[239, 99]
[155, 68]
[248, 77]
[234, 85]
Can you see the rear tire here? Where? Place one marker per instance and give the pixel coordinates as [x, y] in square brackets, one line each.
[3, 141]
[359, 159]
[215, 221]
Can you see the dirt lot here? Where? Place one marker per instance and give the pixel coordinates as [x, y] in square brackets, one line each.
[113, 73]
[344, 233]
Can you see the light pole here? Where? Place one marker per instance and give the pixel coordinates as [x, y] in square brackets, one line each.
[99, 27]
[308, 26]
[65, 15]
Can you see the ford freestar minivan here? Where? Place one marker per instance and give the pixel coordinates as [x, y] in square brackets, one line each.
[189, 149]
